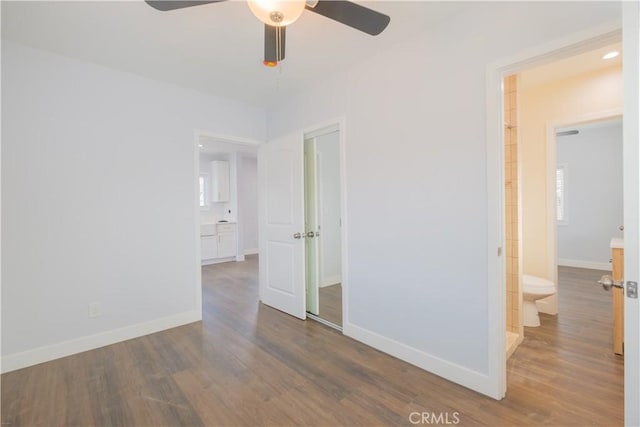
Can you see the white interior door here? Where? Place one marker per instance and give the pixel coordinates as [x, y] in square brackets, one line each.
[631, 184]
[281, 218]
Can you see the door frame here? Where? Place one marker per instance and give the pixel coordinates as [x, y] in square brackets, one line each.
[495, 72]
[198, 134]
[310, 172]
[550, 305]
[631, 197]
[318, 129]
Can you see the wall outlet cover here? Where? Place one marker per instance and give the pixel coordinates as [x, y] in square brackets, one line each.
[95, 310]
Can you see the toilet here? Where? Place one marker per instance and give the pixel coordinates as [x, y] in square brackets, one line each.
[533, 289]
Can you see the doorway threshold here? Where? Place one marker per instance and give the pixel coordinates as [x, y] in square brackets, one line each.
[324, 322]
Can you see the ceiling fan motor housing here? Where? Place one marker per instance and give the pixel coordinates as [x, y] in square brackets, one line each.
[276, 17]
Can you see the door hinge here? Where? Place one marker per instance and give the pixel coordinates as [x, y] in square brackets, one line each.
[499, 250]
[632, 290]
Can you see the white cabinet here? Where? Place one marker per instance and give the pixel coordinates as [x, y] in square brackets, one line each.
[226, 240]
[208, 247]
[217, 242]
[220, 181]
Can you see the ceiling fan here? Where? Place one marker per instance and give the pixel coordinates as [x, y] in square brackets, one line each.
[277, 14]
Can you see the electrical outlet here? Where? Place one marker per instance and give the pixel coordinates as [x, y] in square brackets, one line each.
[95, 310]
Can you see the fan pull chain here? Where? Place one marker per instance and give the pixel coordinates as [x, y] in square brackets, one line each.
[278, 44]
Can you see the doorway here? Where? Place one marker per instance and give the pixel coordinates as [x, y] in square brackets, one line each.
[295, 264]
[496, 72]
[323, 222]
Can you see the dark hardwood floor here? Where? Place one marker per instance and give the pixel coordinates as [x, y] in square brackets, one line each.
[331, 303]
[246, 364]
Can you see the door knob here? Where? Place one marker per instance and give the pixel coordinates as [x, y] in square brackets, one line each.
[621, 228]
[297, 236]
[607, 282]
[311, 234]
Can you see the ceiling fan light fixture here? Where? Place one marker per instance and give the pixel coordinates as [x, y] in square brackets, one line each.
[277, 13]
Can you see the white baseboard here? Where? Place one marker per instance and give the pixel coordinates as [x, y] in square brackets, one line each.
[458, 374]
[43, 354]
[253, 251]
[218, 260]
[593, 265]
[328, 281]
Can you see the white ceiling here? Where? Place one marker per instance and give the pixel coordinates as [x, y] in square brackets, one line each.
[214, 48]
[575, 65]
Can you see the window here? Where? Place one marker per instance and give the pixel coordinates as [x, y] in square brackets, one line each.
[204, 191]
[561, 194]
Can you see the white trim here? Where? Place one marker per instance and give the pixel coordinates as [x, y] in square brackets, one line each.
[565, 207]
[322, 130]
[631, 181]
[344, 272]
[571, 45]
[197, 134]
[252, 251]
[328, 126]
[225, 138]
[218, 260]
[43, 354]
[196, 222]
[458, 374]
[593, 265]
[550, 305]
[496, 288]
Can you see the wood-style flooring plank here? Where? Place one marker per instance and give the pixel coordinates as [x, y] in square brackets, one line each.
[247, 364]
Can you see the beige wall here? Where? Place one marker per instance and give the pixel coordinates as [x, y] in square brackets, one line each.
[555, 102]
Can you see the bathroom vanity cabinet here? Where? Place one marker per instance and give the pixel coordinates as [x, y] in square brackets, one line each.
[617, 271]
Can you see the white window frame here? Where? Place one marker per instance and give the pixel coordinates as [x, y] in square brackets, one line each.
[564, 218]
[204, 182]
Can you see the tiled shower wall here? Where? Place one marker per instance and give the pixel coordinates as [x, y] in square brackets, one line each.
[512, 256]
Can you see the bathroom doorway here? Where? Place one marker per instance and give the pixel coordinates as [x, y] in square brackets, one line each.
[539, 100]
[544, 346]
[323, 226]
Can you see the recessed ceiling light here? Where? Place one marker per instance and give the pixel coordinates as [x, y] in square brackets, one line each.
[200, 145]
[611, 54]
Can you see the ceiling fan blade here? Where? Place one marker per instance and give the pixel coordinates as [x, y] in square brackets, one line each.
[274, 44]
[352, 14]
[166, 5]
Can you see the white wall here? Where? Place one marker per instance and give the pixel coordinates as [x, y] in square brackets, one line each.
[122, 234]
[557, 101]
[248, 203]
[593, 194]
[416, 179]
[328, 149]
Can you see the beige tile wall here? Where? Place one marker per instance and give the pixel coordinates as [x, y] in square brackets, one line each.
[511, 203]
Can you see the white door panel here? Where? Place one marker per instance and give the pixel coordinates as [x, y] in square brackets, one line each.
[631, 177]
[281, 216]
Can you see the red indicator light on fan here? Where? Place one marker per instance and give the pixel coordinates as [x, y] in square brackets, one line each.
[270, 64]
